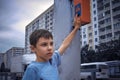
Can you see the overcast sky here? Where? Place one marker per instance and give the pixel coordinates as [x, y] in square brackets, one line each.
[14, 16]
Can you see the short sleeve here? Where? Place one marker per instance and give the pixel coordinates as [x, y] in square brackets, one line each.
[56, 58]
[30, 74]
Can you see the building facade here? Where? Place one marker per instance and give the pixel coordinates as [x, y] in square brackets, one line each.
[105, 22]
[87, 35]
[13, 52]
[1, 58]
[104, 26]
[108, 20]
[43, 21]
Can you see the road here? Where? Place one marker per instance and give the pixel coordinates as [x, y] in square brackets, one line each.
[114, 79]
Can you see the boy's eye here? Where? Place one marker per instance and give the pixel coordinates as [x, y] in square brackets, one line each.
[51, 43]
[44, 44]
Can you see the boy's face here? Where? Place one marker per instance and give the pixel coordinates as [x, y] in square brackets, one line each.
[44, 49]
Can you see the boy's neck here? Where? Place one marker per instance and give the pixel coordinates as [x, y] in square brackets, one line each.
[40, 59]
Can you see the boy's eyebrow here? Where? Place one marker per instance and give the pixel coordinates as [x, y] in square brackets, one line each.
[52, 42]
[46, 42]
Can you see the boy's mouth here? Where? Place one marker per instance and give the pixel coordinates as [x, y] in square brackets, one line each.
[49, 54]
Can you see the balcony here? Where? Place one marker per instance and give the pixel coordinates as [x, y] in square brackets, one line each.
[101, 33]
[107, 24]
[102, 40]
[117, 29]
[116, 13]
[108, 31]
[106, 1]
[116, 5]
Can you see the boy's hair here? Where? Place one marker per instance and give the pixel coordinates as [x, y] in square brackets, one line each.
[34, 37]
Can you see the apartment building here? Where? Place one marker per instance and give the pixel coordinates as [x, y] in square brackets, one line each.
[1, 58]
[105, 22]
[89, 31]
[13, 52]
[108, 19]
[43, 21]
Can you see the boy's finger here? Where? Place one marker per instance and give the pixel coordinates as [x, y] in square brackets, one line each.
[76, 15]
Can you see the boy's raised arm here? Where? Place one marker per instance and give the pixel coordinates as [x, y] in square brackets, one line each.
[69, 38]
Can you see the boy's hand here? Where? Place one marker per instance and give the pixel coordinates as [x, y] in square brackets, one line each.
[77, 22]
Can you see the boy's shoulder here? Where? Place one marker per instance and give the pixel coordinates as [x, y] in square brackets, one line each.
[35, 65]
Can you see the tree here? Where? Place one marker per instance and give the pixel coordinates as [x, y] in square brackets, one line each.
[84, 51]
[105, 52]
[87, 55]
[2, 68]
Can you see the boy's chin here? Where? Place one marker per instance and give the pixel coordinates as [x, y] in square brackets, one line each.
[49, 58]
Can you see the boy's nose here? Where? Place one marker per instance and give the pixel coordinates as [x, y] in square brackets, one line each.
[49, 47]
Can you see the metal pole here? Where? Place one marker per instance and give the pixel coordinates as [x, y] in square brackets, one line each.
[6, 76]
[93, 75]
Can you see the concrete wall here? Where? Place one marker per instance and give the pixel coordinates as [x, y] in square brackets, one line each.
[16, 64]
[63, 17]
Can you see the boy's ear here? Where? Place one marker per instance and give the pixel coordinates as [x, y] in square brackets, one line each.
[32, 48]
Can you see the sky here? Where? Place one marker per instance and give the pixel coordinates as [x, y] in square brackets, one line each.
[14, 16]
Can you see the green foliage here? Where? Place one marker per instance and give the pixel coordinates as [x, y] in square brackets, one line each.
[104, 52]
[2, 68]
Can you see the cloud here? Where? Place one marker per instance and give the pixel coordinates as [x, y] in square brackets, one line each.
[11, 39]
[14, 16]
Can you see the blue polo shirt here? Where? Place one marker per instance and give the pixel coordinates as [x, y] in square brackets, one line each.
[44, 70]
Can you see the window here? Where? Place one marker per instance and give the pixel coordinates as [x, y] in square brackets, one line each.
[83, 32]
[95, 25]
[90, 34]
[117, 26]
[101, 22]
[102, 29]
[109, 35]
[51, 14]
[117, 33]
[108, 20]
[107, 12]
[90, 27]
[88, 67]
[101, 8]
[90, 48]
[84, 29]
[51, 23]
[96, 39]
[84, 42]
[37, 23]
[116, 9]
[107, 5]
[94, 18]
[116, 17]
[51, 28]
[84, 36]
[96, 46]
[108, 27]
[94, 12]
[93, 5]
[102, 37]
[90, 41]
[95, 32]
[115, 2]
[100, 16]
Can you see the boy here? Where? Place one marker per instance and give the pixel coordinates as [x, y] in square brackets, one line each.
[45, 67]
